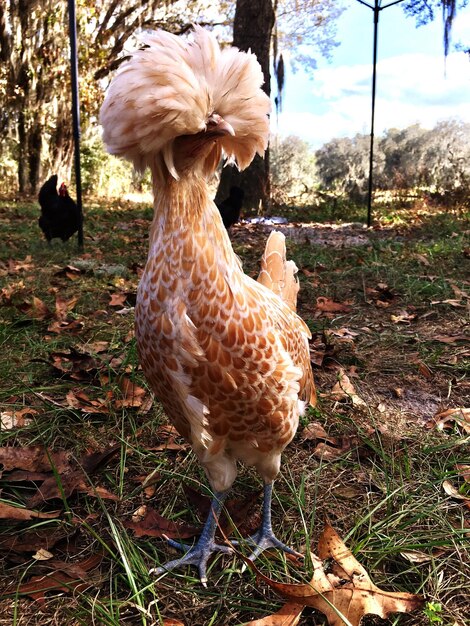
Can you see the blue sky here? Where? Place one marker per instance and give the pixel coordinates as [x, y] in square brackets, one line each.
[413, 82]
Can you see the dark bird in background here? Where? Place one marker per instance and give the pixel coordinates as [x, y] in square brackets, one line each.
[59, 213]
[230, 207]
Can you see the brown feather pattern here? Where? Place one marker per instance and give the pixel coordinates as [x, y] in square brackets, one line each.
[227, 356]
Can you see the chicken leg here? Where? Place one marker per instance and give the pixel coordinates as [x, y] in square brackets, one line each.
[265, 538]
[199, 554]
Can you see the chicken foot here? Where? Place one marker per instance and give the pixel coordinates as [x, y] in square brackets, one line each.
[199, 554]
[265, 538]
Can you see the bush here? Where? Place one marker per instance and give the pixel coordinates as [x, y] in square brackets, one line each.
[293, 175]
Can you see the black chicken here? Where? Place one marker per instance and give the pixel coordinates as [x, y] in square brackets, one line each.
[230, 207]
[59, 213]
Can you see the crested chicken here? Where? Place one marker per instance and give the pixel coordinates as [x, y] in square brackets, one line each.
[226, 355]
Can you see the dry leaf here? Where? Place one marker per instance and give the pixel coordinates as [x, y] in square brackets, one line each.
[422, 259]
[72, 327]
[403, 317]
[424, 369]
[155, 525]
[453, 492]
[344, 390]
[288, 615]
[117, 299]
[36, 309]
[67, 578]
[334, 449]
[76, 480]
[43, 555]
[95, 346]
[454, 303]
[69, 271]
[132, 394]
[77, 365]
[37, 587]
[63, 306]
[71, 482]
[326, 305]
[342, 333]
[382, 295]
[348, 492]
[450, 338]
[15, 418]
[464, 471]
[447, 419]
[80, 400]
[33, 458]
[18, 514]
[314, 431]
[416, 556]
[33, 541]
[459, 293]
[346, 590]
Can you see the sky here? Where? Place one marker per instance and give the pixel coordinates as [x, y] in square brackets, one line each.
[414, 83]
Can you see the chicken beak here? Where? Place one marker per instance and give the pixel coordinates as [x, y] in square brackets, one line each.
[216, 126]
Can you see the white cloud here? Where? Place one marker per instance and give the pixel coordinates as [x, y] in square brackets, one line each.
[410, 88]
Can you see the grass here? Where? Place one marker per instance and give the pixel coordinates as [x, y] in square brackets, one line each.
[383, 494]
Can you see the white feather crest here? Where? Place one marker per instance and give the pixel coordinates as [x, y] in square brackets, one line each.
[171, 86]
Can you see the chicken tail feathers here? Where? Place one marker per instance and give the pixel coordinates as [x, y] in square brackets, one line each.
[277, 273]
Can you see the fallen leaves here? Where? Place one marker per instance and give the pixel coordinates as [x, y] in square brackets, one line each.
[453, 492]
[344, 390]
[451, 338]
[34, 458]
[152, 524]
[403, 317]
[344, 592]
[16, 418]
[34, 540]
[129, 395]
[464, 470]
[58, 474]
[450, 418]
[60, 321]
[382, 295]
[328, 448]
[19, 514]
[327, 306]
[77, 365]
[66, 577]
[288, 615]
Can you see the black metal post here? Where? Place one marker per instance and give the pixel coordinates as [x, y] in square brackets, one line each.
[372, 121]
[76, 113]
[376, 8]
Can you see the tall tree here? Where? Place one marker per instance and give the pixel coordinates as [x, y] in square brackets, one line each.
[252, 30]
[270, 28]
[34, 73]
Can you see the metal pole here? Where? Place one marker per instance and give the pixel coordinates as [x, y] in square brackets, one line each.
[372, 122]
[76, 114]
[376, 8]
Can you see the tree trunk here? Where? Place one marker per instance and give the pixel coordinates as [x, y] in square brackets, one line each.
[34, 156]
[22, 154]
[252, 28]
[61, 145]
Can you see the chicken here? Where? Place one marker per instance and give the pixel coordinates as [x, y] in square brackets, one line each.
[231, 207]
[227, 356]
[59, 212]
